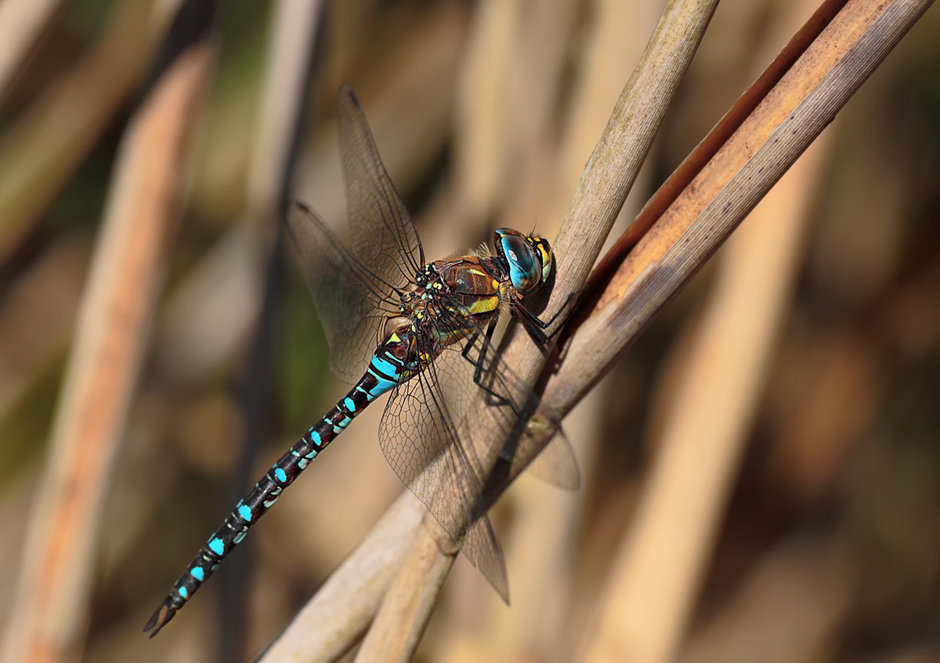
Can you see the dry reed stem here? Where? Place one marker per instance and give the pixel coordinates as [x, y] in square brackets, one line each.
[51, 609]
[659, 566]
[424, 570]
[337, 616]
[746, 166]
[603, 188]
[777, 131]
[41, 150]
[21, 22]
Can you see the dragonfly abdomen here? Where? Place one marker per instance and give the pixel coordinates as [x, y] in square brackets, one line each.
[385, 371]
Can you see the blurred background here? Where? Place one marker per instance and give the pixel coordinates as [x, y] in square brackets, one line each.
[828, 547]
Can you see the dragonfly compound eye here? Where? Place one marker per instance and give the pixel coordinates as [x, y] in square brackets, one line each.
[525, 257]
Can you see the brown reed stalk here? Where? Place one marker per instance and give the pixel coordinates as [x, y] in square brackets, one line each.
[662, 557]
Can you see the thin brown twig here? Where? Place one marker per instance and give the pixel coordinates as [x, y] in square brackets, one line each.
[51, 608]
[779, 129]
[645, 281]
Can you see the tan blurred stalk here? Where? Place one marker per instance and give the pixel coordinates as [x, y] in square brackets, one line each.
[209, 315]
[21, 22]
[507, 98]
[35, 319]
[788, 610]
[212, 313]
[293, 36]
[44, 147]
[51, 612]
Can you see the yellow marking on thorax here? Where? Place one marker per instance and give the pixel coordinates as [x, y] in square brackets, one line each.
[484, 305]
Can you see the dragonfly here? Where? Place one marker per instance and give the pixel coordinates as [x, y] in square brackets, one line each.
[422, 331]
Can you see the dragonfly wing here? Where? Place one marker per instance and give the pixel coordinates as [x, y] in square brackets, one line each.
[355, 291]
[530, 428]
[555, 464]
[348, 296]
[384, 236]
[508, 406]
[419, 438]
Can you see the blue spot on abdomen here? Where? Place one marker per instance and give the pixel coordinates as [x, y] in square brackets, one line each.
[217, 546]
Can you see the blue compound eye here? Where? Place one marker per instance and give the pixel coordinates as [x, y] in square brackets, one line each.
[525, 268]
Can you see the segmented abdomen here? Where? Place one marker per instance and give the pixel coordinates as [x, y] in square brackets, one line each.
[385, 371]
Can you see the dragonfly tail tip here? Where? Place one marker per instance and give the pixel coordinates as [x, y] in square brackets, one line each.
[160, 618]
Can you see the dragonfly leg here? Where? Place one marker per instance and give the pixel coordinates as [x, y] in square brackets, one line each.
[536, 327]
[480, 362]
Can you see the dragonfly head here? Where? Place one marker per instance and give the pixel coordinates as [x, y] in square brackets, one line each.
[529, 258]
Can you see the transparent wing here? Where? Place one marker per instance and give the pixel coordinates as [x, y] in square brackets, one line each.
[512, 408]
[356, 290]
[419, 438]
[435, 431]
[383, 234]
[349, 297]
[508, 406]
